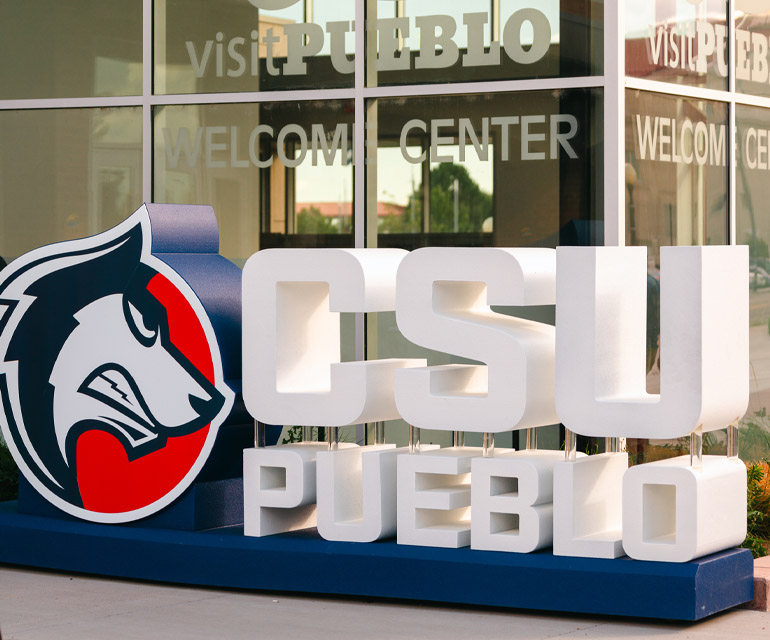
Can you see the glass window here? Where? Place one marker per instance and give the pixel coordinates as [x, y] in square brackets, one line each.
[752, 31]
[676, 171]
[679, 41]
[753, 229]
[54, 49]
[66, 173]
[676, 194]
[430, 41]
[277, 174]
[511, 170]
[214, 46]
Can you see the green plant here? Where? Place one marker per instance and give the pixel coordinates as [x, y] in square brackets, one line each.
[754, 436]
[9, 475]
[293, 434]
[757, 246]
[474, 205]
[312, 221]
[592, 448]
[758, 508]
[589, 446]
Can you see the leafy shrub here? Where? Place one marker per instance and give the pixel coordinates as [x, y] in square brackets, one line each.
[754, 436]
[292, 434]
[758, 509]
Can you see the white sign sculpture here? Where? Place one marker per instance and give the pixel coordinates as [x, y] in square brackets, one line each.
[588, 372]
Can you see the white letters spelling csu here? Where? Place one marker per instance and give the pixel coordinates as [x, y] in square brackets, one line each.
[442, 298]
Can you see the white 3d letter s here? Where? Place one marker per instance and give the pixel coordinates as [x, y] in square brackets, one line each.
[443, 302]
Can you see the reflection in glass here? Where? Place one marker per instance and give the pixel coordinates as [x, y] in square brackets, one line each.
[678, 41]
[753, 229]
[458, 194]
[676, 194]
[324, 196]
[277, 174]
[66, 174]
[399, 198]
[213, 46]
[676, 171]
[752, 33]
[54, 49]
[509, 170]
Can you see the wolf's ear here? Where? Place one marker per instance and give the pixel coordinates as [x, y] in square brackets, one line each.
[99, 269]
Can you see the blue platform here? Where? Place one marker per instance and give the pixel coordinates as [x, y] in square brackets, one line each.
[305, 563]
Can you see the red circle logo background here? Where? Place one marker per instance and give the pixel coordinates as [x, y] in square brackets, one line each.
[111, 483]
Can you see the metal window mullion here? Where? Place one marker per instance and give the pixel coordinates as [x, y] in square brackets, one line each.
[490, 86]
[614, 125]
[71, 103]
[147, 70]
[751, 101]
[176, 99]
[494, 13]
[732, 184]
[397, 91]
[359, 187]
[359, 173]
[679, 90]
[253, 96]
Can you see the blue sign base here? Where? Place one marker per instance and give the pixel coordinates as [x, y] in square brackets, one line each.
[303, 562]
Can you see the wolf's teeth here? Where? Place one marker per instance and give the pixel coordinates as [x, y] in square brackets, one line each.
[116, 388]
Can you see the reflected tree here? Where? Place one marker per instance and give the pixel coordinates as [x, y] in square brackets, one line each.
[312, 221]
[454, 196]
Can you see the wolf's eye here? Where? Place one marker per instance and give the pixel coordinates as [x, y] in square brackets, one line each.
[149, 333]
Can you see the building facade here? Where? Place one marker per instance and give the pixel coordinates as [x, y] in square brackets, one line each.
[401, 123]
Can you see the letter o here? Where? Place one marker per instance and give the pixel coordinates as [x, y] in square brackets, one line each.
[701, 130]
[300, 132]
[541, 36]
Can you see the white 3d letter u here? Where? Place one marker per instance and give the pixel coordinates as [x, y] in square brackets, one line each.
[600, 340]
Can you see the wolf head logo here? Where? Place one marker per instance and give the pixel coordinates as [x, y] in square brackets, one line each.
[111, 388]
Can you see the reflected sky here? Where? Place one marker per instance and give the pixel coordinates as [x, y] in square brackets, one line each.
[640, 15]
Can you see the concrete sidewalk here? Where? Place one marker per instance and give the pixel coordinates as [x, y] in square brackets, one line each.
[35, 605]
